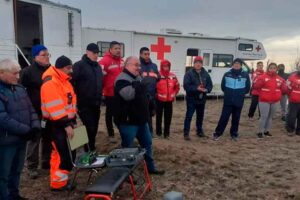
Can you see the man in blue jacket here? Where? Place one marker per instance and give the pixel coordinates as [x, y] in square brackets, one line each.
[197, 83]
[235, 85]
[150, 76]
[18, 124]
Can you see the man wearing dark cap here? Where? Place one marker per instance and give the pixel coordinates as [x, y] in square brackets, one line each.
[235, 85]
[197, 83]
[31, 79]
[59, 109]
[87, 81]
[112, 65]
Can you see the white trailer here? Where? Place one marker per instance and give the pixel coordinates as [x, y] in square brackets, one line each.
[218, 53]
[28, 22]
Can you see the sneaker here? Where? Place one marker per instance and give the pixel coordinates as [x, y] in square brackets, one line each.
[67, 187]
[20, 198]
[157, 172]
[260, 136]
[186, 137]
[167, 137]
[297, 133]
[216, 137]
[267, 134]
[112, 140]
[33, 174]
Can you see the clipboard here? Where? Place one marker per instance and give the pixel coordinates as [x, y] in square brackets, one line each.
[79, 139]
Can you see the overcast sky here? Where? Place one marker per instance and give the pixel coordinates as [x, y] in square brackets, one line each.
[274, 22]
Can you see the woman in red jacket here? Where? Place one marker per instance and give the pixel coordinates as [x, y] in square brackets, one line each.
[167, 89]
[271, 87]
[293, 115]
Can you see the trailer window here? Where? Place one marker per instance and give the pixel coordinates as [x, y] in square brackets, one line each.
[206, 58]
[104, 47]
[222, 60]
[70, 26]
[245, 47]
[190, 55]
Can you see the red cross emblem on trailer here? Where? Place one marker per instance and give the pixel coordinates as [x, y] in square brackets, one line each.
[161, 48]
[258, 48]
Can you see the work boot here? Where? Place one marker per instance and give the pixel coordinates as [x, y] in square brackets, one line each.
[157, 172]
[267, 134]
[68, 187]
[33, 173]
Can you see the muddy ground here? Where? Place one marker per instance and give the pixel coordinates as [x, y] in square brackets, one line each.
[206, 169]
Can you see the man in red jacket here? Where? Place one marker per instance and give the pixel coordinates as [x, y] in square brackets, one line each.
[112, 65]
[254, 93]
[166, 91]
[293, 84]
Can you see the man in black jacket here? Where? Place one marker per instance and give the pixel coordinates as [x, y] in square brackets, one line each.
[87, 81]
[31, 79]
[197, 83]
[132, 110]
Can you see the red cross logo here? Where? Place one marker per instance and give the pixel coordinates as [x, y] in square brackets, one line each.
[160, 48]
[258, 48]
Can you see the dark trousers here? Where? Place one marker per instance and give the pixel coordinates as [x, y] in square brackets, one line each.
[235, 113]
[59, 138]
[32, 155]
[109, 115]
[12, 159]
[253, 106]
[166, 109]
[191, 107]
[293, 115]
[90, 116]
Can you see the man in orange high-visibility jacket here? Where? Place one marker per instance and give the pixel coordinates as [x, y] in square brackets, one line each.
[59, 109]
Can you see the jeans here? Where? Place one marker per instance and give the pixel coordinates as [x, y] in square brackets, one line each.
[143, 135]
[190, 110]
[12, 159]
[235, 113]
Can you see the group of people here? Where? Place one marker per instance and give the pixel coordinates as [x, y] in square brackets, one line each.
[39, 106]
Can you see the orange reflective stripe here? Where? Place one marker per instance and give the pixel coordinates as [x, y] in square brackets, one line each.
[53, 103]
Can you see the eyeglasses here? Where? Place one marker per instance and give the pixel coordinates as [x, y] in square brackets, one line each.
[45, 55]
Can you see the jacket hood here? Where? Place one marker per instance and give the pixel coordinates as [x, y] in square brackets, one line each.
[53, 72]
[163, 63]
